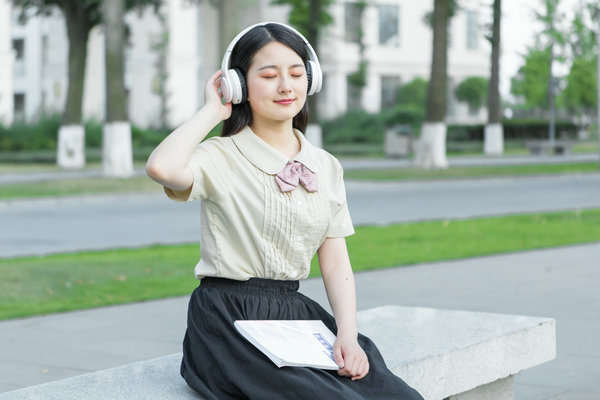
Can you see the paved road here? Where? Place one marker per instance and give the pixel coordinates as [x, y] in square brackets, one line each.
[348, 164]
[36, 227]
[561, 283]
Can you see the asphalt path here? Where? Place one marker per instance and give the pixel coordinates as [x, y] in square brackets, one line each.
[67, 224]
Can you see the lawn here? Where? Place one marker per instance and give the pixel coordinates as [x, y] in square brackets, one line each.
[474, 172]
[39, 285]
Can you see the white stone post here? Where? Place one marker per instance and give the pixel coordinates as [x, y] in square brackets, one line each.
[493, 141]
[117, 159]
[71, 147]
[431, 147]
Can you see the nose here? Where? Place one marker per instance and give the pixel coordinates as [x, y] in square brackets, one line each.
[284, 85]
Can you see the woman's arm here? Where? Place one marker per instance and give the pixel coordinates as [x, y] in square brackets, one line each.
[167, 164]
[339, 284]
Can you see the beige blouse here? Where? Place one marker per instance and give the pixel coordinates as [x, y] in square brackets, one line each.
[249, 227]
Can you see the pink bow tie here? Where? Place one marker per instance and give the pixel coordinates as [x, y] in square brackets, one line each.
[293, 173]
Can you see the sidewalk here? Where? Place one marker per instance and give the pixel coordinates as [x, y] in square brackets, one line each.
[560, 283]
[347, 163]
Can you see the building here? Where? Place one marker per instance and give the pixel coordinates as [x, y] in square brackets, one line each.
[185, 36]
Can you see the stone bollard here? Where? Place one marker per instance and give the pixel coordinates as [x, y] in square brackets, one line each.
[71, 147]
[398, 141]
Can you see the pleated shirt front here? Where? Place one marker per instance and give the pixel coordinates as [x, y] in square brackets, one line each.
[250, 228]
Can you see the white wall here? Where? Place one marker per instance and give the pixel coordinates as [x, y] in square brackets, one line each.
[6, 64]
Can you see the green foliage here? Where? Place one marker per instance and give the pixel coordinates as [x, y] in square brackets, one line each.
[356, 126]
[39, 136]
[413, 93]
[43, 134]
[580, 93]
[410, 114]
[531, 82]
[514, 129]
[300, 15]
[472, 90]
[359, 77]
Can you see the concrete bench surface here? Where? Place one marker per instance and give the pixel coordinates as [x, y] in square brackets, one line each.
[441, 353]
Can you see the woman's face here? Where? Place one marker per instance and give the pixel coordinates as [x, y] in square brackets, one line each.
[277, 83]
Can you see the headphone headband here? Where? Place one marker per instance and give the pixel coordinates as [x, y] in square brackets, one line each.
[313, 61]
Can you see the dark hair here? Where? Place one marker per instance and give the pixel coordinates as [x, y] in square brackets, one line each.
[241, 58]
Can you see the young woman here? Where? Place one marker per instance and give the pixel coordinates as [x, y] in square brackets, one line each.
[270, 201]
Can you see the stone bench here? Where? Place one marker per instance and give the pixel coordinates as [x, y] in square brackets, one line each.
[538, 147]
[444, 354]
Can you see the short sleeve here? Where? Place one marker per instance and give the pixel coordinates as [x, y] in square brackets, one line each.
[341, 223]
[208, 164]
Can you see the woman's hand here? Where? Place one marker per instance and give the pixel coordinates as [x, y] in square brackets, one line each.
[350, 357]
[213, 96]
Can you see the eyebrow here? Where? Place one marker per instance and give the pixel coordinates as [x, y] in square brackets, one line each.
[274, 66]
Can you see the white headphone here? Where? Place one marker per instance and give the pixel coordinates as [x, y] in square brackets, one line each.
[233, 83]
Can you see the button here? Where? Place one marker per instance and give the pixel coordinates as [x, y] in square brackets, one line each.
[299, 202]
[299, 238]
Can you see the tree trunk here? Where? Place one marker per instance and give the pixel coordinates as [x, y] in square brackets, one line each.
[493, 135]
[117, 159]
[71, 135]
[431, 150]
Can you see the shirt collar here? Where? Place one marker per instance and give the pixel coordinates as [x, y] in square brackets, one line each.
[267, 158]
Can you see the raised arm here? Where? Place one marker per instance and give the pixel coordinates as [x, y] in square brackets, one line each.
[167, 164]
[341, 292]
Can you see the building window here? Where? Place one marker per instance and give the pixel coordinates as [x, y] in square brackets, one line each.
[19, 106]
[353, 97]
[19, 47]
[351, 22]
[389, 25]
[389, 91]
[472, 30]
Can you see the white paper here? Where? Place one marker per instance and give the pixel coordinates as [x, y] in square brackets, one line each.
[296, 343]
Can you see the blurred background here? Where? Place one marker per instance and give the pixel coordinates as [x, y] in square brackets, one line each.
[58, 66]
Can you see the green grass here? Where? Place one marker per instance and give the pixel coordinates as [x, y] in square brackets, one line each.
[474, 172]
[39, 285]
[79, 186]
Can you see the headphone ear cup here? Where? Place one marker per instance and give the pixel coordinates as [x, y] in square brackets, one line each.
[315, 77]
[231, 87]
[242, 86]
[309, 77]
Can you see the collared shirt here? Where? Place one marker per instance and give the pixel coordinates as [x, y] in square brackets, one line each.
[249, 227]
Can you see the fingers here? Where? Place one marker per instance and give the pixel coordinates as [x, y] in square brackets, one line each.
[354, 365]
[337, 355]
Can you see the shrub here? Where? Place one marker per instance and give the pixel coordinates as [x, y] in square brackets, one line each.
[357, 126]
[39, 136]
[514, 129]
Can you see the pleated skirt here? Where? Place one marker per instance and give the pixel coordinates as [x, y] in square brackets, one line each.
[220, 364]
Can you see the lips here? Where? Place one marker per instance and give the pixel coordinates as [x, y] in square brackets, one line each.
[285, 102]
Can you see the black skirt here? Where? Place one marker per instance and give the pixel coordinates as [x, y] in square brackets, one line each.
[220, 364]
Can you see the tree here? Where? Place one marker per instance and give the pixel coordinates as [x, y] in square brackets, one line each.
[432, 145]
[493, 134]
[80, 17]
[472, 90]
[117, 156]
[577, 97]
[530, 84]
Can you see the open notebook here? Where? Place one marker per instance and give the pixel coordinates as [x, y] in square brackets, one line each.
[291, 343]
